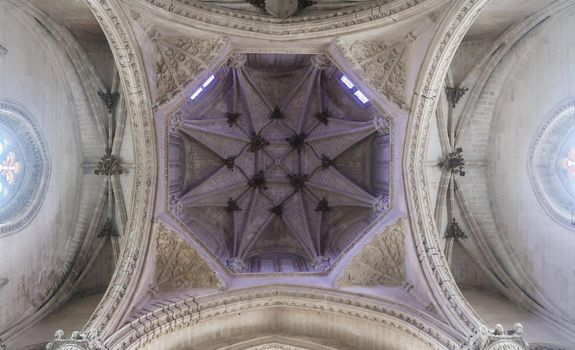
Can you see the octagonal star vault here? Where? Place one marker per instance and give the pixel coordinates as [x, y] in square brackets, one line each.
[277, 166]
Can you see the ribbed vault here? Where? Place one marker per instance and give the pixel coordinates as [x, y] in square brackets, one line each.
[278, 165]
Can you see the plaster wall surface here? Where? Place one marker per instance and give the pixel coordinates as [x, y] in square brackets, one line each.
[543, 249]
[68, 318]
[34, 74]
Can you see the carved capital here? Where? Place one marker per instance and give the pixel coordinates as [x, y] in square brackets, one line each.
[77, 341]
[498, 339]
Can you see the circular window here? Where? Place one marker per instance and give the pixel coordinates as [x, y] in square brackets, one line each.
[24, 168]
[552, 164]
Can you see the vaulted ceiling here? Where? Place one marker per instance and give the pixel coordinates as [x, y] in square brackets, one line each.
[294, 166]
[285, 170]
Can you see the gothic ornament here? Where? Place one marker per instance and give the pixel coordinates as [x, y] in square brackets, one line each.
[178, 265]
[235, 265]
[109, 165]
[383, 66]
[77, 341]
[454, 162]
[380, 263]
[179, 61]
[454, 94]
[3, 282]
[108, 230]
[454, 231]
[109, 99]
[382, 124]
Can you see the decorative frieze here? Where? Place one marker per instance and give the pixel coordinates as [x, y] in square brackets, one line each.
[382, 65]
[179, 61]
[178, 265]
[109, 99]
[380, 262]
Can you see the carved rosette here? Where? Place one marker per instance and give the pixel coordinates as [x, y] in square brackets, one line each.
[179, 61]
[178, 266]
[381, 65]
[380, 263]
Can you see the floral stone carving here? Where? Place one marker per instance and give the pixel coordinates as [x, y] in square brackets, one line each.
[178, 265]
[381, 262]
[381, 65]
[179, 61]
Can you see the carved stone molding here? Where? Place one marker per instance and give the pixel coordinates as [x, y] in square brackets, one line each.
[380, 262]
[184, 314]
[444, 45]
[178, 265]
[343, 20]
[380, 64]
[76, 341]
[119, 296]
[546, 347]
[180, 60]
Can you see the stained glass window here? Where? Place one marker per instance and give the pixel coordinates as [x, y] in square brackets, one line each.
[11, 166]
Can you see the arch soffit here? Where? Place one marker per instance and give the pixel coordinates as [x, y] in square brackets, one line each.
[231, 22]
[273, 310]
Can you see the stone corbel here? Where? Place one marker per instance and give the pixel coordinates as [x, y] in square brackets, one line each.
[77, 341]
